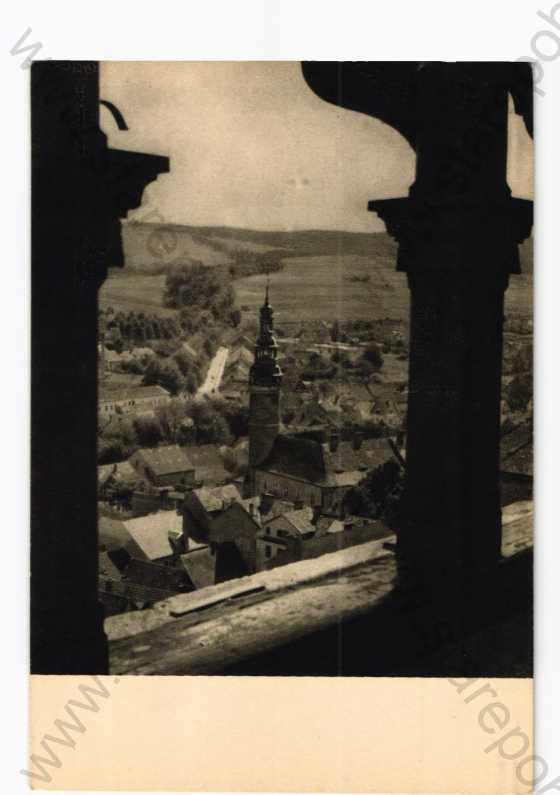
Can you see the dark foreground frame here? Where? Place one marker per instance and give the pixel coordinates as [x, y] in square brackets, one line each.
[458, 244]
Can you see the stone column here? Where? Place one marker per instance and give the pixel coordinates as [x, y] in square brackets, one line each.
[80, 189]
[458, 233]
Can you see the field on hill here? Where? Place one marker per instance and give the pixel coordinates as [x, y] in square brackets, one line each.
[329, 287]
[326, 274]
[127, 291]
[153, 247]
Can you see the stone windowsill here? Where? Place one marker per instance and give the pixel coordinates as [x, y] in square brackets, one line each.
[217, 627]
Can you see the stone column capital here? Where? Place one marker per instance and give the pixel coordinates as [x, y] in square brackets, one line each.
[456, 236]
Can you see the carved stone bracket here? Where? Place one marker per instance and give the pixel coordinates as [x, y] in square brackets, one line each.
[456, 237]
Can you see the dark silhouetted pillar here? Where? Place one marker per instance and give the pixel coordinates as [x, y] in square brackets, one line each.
[458, 233]
[80, 189]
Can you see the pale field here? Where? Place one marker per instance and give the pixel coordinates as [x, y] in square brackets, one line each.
[312, 287]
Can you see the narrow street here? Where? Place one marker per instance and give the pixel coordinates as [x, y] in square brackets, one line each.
[214, 375]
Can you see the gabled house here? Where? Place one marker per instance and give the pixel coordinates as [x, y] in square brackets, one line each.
[219, 518]
[280, 533]
[304, 534]
[201, 507]
[208, 464]
[164, 466]
[158, 535]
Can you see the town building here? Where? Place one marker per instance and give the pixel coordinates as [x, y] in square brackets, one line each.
[156, 537]
[164, 466]
[115, 480]
[218, 517]
[137, 400]
[282, 532]
[304, 533]
[208, 463]
[134, 584]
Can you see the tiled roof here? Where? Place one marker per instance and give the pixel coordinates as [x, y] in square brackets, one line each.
[123, 470]
[301, 458]
[332, 524]
[214, 499]
[113, 535]
[151, 532]
[328, 524]
[154, 575]
[207, 462]
[138, 594]
[308, 460]
[168, 521]
[277, 508]
[371, 454]
[200, 566]
[166, 460]
[301, 520]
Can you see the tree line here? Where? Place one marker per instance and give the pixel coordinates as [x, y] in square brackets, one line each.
[179, 422]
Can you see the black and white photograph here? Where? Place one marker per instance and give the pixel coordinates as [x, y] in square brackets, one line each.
[282, 366]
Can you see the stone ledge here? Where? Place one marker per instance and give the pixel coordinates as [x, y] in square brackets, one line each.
[225, 627]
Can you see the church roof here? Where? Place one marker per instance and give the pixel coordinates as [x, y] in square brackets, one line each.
[301, 458]
[348, 458]
[308, 460]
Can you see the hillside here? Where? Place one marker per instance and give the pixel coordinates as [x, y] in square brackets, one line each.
[307, 242]
[326, 273]
[150, 247]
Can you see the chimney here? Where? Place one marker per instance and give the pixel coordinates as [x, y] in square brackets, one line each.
[267, 501]
[334, 440]
[357, 440]
[185, 527]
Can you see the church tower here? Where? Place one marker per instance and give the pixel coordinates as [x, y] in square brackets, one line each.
[264, 387]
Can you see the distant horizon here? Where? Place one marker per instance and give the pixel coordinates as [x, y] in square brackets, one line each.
[267, 230]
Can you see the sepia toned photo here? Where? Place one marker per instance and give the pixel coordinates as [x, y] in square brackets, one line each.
[282, 369]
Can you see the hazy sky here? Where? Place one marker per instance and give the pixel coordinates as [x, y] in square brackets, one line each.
[252, 146]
